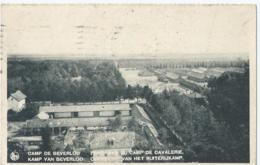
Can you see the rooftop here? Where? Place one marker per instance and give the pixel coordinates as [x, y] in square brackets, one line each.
[172, 75]
[18, 95]
[71, 122]
[25, 138]
[83, 108]
[202, 84]
[197, 75]
[199, 70]
[142, 113]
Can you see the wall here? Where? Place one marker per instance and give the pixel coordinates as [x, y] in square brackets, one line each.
[15, 105]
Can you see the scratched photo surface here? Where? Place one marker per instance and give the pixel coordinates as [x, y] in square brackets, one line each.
[128, 83]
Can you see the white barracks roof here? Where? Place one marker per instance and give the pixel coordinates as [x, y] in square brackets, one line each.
[84, 108]
[25, 138]
[18, 95]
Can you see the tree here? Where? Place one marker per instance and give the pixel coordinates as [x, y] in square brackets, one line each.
[86, 154]
[164, 135]
[46, 139]
[147, 93]
[129, 92]
[116, 123]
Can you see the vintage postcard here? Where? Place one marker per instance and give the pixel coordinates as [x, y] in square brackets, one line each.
[128, 84]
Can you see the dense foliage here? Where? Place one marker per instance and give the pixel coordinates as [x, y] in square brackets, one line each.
[229, 101]
[215, 132]
[46, 139]
[187, 119]
[61, 81]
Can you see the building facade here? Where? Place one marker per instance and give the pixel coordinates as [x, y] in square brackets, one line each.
[60, 118]
[86, 111]
[16, 101]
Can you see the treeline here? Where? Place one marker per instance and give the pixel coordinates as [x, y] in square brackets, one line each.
[62, 81]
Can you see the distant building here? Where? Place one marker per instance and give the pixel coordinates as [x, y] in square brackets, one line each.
[16, 101]
[213, 72]
[162, 78]
[182, 71]
[216, 72]
[187, 84]
[197, 77]
[193, 85]
[111, 146]
[173, 77]
[199, 70]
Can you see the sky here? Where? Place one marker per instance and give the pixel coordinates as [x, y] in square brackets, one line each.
[128, 31]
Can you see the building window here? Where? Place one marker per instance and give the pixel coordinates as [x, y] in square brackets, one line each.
[56, 130]
[34, 131]
[96, 113]
[62, 115]
[86, 114]
[74, 114]
[51, 115]
[117, 113]
[107, 113]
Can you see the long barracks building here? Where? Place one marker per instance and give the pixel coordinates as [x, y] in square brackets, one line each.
[61, 117]
[86, 111]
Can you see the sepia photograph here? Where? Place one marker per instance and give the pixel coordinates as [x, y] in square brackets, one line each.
[128, 83]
